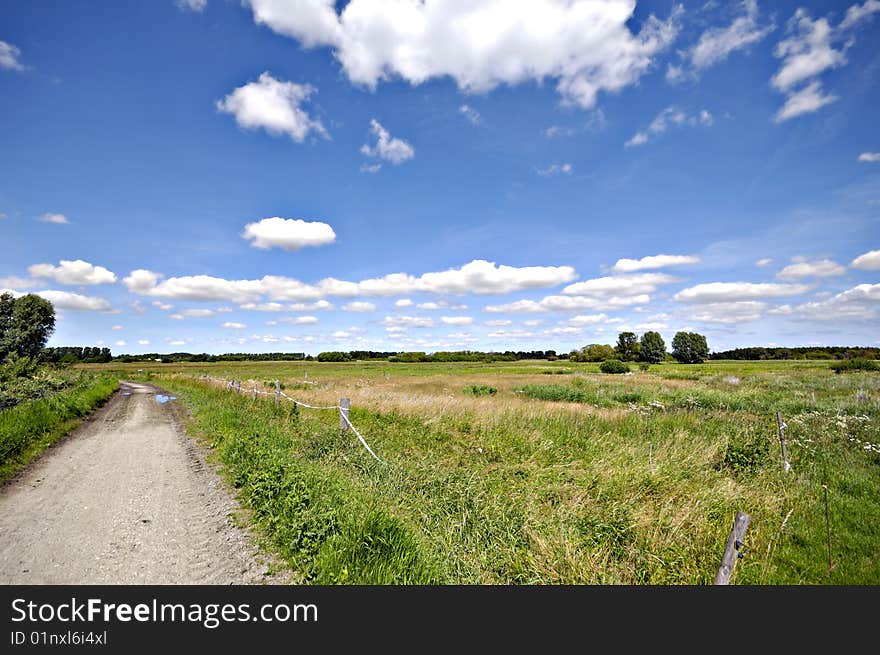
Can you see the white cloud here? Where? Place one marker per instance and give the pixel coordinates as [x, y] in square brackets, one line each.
[75, 301]
[117, 328]
[73, 272]
[809, 99]
[510, 334]
[860, 303]
[274, 106]
[619, 285]
[733, 291]
[870, 261]
[809, 51]
[587, 47]
[311, 306]
[288, 233]
[554, 169]
[10, 57]
[498, 323]
[370, 168]
[175, 342]
[299, 320]
[763, 262]
[192, 5]
[567, 304]
[819, 268]
[143, 342]
[670, 117]
[654, 261]
[457, 320]
[586, 319]
[478, 277]
[262, 307]
[231, 325]
[403, 302]
[535, 322]
[407, 322]
[387, 147]
[359, 306]
[471, 114]
[869, 157]
[442, 304]
[556, 130]
[119, 343]
[163, 306]
[15, 282]
[728, 312]
[715, 44]
[57, 219]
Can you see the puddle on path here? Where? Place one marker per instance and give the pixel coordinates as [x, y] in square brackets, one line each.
[162, 398]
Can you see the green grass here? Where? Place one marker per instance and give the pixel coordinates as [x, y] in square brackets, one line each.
[638, 482]
[30, 427]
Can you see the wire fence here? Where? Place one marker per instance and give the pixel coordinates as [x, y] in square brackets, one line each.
[343, 407]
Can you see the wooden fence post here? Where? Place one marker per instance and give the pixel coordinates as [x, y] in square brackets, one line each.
[344, 405]
[731, 551]
[786, 467]
[277, 392]
[255, 390]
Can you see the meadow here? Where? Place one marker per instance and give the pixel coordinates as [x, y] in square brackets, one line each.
[539, 472]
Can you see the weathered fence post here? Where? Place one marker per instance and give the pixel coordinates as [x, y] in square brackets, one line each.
[238, 386]
[255, 390]
[731, 551]
[344, 406]
[277, 392]
[786, 467]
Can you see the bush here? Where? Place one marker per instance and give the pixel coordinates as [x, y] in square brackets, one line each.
[613, 366]
[855, 364]
[644, 366]
[480, 390]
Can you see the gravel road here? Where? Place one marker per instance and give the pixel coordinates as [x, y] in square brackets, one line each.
[126, 499]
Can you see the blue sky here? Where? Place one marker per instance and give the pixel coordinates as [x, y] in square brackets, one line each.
[223, 176]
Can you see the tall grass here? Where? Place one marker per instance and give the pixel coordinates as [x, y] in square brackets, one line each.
[31, 426]
[575, 483]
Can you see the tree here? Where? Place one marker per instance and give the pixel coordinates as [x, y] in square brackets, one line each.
[627, 346]
[28, 327]
[653, 348]
[689, 347]
[594, 352]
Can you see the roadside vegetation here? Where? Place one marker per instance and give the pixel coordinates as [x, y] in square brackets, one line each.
[592, 479]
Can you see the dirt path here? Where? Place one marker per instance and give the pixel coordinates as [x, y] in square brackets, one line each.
[127, 499]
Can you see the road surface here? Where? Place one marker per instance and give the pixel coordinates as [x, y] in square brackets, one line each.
[125, 499]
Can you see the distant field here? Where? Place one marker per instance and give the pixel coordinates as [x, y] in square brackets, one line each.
[561, 475]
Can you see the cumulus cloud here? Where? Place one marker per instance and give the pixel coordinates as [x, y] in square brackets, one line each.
[143, 342]
[619, 285]
[57, 219]
[728, 312]
[359, 306]
[713, 292]
[554, 169]
[763, 262]
[586, 319]
[653, 261]
[478, 277]
[386, 146]
[810, 50]
[861, 302]
[471, 114]
[510, 334]
[457, 320]
[117, 328]
[870, 261]
[819, 268]
[441, 304]
[75, 301]
[274, 106]
[498, 323]
[587, 47]
[567, 304]
[670, 117]
[288, 233]
[407, 322]
[403, 302]
[73, 272]
[15, 282]
[869, 157]
[322, 305]
[231, 325]
[10, 57]
[299, 320]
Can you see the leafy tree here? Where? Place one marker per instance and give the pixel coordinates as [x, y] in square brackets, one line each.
[594, 352]
[653, 348]
[26, 329]
[689, 347]
[627, 346]
[614, 366]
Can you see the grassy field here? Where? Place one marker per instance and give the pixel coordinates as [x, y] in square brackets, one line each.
[31, 426]
[561, 475]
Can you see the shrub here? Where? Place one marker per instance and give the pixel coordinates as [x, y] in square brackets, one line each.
[855, 364]
[480, 390]
[644, 366]
[613, 366]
